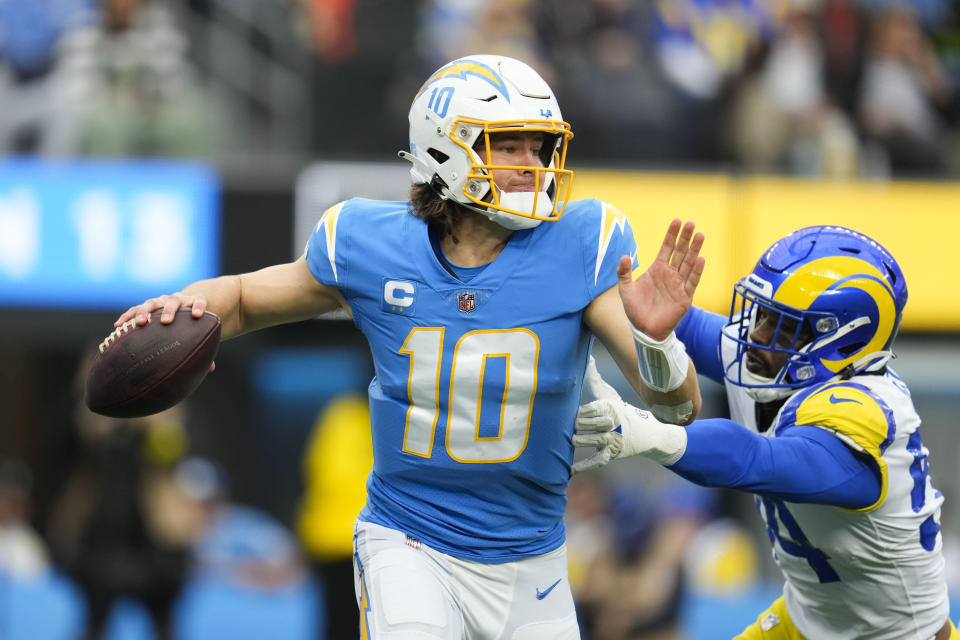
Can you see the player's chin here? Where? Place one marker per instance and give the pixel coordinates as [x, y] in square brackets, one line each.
[757, 365]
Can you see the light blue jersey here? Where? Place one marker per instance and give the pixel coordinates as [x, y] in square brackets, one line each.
[477, 383]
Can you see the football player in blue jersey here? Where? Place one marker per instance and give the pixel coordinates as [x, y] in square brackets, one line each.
[480, 298]
[823, 432]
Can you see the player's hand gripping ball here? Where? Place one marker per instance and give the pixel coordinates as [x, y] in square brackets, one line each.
[142, 370]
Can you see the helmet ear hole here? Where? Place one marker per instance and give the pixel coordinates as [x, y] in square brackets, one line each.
[438, 155]
[850, 349]
[891, 273]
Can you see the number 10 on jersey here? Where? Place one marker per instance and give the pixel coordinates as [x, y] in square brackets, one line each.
[520, 350]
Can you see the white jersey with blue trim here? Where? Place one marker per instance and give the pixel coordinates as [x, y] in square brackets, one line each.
[876, 572]
[477, 383]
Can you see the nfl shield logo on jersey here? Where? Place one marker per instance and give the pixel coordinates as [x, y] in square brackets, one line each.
[769, 621]
[467, 301]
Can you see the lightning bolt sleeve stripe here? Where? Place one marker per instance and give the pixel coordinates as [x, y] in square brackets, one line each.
[328, 222]
[610, 219]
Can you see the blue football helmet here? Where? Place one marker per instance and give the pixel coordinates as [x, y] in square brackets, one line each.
[829, 298]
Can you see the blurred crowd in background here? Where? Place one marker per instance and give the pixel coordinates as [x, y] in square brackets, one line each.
[132, 520]
[837, 88]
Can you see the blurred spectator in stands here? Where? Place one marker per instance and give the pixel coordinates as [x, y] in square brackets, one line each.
[701, 44]
[331, 28]
[929, 12]
[613, 92]
[589, 534]
[843, 27]
[904, 93]
[102, 531]
[337, 462]
[451, 29]
[39, 603]
[702, 47]
[631, 578]
[128, 76]
[236, 543]
[643, 81]
[32, 118]
[724, 577]
[23, 553]
[445, 26]
[248, 576]
[371, 85]
[782, 116]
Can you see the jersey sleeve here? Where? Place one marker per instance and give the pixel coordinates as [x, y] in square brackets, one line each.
[608, 237]
[807, 465]
[699, 331]
[859, 418]
[321, 253]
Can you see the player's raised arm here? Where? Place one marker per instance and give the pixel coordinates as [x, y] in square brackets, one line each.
[657, 299]
[637, 326]
[247, 302]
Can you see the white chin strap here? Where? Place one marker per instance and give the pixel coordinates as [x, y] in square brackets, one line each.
[762, 393]
[870, 362]
[521, 201]
[768, 394]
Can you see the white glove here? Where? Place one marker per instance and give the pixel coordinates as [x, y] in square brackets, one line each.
[620, 430]
[595, 387]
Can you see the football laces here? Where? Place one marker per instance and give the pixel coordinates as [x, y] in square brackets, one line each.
[119, 331]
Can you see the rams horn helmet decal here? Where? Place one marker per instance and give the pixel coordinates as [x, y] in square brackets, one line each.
[836, 296]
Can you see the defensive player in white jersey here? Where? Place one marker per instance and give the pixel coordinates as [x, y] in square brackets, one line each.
[832, 449]
[480, 298]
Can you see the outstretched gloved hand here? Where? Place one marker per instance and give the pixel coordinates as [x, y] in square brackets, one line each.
[616, 429]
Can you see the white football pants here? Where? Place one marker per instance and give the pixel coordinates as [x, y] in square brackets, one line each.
[409, 591]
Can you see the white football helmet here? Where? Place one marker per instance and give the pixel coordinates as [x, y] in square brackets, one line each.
[463, 103]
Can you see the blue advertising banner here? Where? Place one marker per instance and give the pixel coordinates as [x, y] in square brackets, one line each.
[108, 234]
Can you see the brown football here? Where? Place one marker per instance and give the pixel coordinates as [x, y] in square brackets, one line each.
[142, 370]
